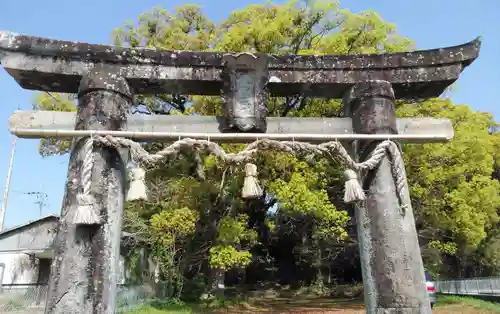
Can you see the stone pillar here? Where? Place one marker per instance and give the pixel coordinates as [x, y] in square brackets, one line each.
[84, 270]
[393, 274]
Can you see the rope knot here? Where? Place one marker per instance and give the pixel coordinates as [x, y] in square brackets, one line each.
[350, 174]
[251, 188]
[353, 189]
[250, 170]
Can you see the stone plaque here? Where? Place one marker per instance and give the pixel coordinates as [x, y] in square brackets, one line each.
[244, 100]
[244, 92]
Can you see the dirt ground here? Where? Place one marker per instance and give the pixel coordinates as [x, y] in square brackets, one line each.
[327, 306]
[302, 305]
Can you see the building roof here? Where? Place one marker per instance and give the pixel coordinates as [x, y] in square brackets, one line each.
[47, 217]
[54, 217]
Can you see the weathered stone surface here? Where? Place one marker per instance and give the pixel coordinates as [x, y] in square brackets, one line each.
[244, 92]
[54, 65]
[393, 274]
[85, 267]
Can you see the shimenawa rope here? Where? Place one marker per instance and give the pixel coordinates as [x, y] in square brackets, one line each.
[87, 212]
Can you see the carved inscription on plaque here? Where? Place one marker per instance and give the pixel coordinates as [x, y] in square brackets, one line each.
[244, 92]
[245, 95]
[244, 101]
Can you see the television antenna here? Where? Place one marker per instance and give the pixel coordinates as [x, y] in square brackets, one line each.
[41, 199]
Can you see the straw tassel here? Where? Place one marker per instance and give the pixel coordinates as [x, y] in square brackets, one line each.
[251, 188]
[87, 211]
[353, 190]
[137, 188]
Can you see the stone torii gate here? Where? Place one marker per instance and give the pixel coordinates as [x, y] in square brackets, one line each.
[83, 277]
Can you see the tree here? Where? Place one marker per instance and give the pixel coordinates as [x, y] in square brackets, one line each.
[454, 195]
[54, 102]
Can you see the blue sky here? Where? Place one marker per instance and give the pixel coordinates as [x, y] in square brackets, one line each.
[431, 23]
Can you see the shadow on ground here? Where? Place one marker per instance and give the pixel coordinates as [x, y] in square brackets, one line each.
[298, 305]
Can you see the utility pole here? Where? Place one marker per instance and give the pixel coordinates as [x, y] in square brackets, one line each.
[7, 185]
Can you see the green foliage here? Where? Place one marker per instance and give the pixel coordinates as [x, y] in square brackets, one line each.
[467, 302]
[54, 102]
[166, 309]
[133, 267]
[489, 254]
[194, 288]
[454, 196]
[172, 225]
[270, 224]
[187, 28]
[299, 195]
[233, 230]
[446, 248]
[226, 257]
[467, 200]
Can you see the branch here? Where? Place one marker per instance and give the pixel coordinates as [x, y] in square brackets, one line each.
[323, 32]
[176, 101]
[297, 41]
[353, 39]
[292, 102]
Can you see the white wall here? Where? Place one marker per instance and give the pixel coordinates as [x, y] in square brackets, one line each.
[19, 268]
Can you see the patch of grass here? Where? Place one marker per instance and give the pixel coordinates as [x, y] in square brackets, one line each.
[443, 300]
[170, 307]
[221, 302]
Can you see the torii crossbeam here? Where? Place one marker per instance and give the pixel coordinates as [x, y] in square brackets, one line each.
[83, 278]
[58, 66]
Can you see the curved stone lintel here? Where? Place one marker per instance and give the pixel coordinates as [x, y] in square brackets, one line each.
[39, 46]
[56, 65]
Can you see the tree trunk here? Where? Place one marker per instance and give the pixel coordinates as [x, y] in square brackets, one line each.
[217, 286]
[319, 264]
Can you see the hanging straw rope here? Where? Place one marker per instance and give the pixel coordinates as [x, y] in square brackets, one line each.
[87, 212]
[353, 189]
[137, 189]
